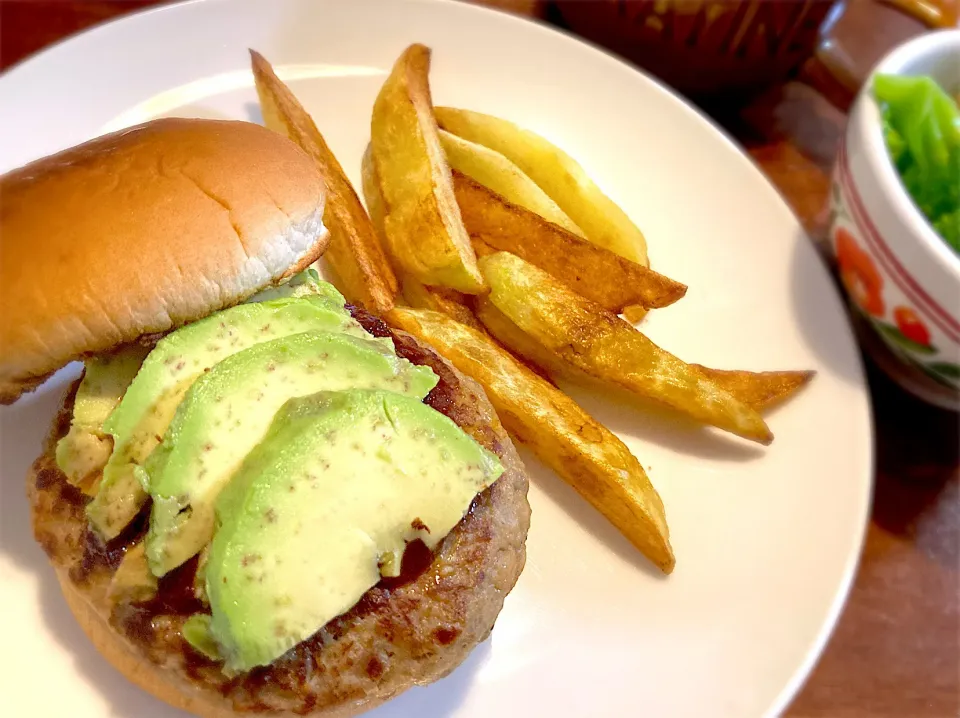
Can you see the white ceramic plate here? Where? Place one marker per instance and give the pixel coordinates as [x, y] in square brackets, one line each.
[767, 540]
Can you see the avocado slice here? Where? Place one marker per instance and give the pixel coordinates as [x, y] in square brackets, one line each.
[227, 412]
[305, 284]
[338, 487]
[139, 421]
[196, 632]
[86, 448]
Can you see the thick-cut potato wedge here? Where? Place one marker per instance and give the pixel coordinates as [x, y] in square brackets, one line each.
[355, 253]
[455, 305]
[600, 344]
[557, 174]
[579, 449]
[598, 217]
[493, 170]
[519, 342]
[413, 291]
[482, 248]
[762, 390]
[424, 233]
[439, 299]
[758, 390]
[370, 184]
[634, 313]
[591, 271]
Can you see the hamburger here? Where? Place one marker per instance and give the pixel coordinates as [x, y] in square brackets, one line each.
[257, 498]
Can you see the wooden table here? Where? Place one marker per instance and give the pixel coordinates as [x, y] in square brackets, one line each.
[896, 651]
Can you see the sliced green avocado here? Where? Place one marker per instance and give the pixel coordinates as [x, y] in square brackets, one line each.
[227, 412]
[337, 488]
[196, 632]
[85, 449]
[141, 418]
[305, 284]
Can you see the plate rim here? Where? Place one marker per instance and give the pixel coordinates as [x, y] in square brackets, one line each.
[817, 643]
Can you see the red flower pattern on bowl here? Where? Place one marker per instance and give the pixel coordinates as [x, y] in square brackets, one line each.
[859, 274]
[911, 326]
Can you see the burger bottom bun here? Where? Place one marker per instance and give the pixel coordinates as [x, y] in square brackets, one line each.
[137, 669]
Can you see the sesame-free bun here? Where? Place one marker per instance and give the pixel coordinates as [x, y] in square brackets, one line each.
[142, 230]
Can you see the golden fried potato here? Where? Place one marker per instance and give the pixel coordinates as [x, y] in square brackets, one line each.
[634, 313]
[591, 271]
[762, 390]
[370, 184]
[482, 248]
[500, 175]
[600, 344]
[557, 174]
[424, 234]
[454, 305]
[501, 328]
[758, 390]
[355, 253]
[413, 291]
[579, 449]
[439, 299]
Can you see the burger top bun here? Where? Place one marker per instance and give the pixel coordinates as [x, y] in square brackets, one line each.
[143, 230]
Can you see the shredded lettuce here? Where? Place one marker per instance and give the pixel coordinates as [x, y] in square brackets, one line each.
[921, 126]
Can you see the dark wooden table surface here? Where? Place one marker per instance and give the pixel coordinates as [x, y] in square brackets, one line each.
[896, 651]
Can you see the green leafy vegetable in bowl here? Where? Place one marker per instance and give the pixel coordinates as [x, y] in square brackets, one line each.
[921, 126]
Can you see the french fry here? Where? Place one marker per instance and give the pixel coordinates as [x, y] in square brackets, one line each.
[758, 390]
[600, 344]
[439, 299]
[496, 172]
[455, 306]
[589, 270]
[370, 185]
[424, 234]
[600, 219]
[762, 390]
[355, 253]
[557, 174]
[579, 449]
[482, 248]
[634, 313]
[413, 291]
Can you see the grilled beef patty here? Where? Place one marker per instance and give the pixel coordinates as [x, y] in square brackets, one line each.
[409, 630]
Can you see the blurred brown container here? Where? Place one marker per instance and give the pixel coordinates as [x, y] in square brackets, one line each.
[703, 47]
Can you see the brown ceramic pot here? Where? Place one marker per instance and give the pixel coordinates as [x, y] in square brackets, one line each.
[703, 47]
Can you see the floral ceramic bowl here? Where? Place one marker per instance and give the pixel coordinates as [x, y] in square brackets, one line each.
[902, 278]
